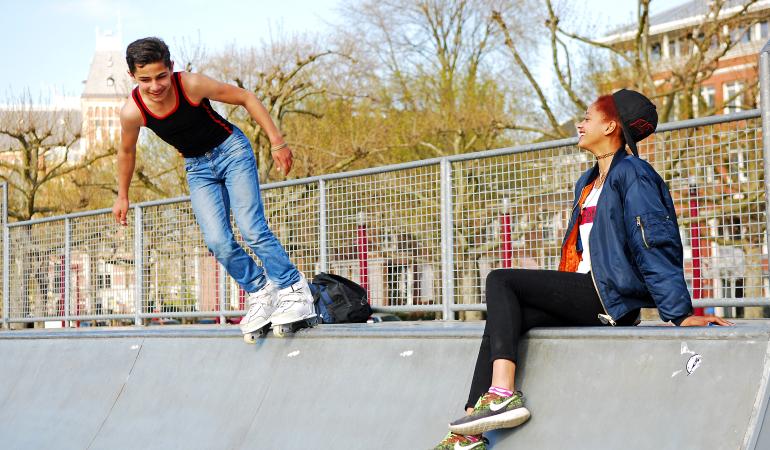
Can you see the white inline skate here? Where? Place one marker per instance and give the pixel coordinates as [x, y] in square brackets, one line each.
[256, 322]
[294, 309]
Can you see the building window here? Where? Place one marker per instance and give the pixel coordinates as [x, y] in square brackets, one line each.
[763, 30]
[738, 166]
[685, 45]
[704, 103]
[740, 35]
[673, 48]
[104, 281]
[110, 81]
[714, 41]
[732, 288]
[655, 52]
[731, 228]
[732, 97]
[675, 109]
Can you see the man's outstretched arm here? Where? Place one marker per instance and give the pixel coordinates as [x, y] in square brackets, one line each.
[200, 86]
[130, 123]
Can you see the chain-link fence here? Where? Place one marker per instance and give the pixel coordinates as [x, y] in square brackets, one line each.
[419, 236]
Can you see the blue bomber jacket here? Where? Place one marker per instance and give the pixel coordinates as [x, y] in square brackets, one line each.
[636, 250]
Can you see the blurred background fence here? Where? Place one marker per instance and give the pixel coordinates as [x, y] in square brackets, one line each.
[420, 236]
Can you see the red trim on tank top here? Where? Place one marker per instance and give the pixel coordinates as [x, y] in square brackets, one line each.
[134, 94]
[213, 117]
[176, 94]
[181, 88]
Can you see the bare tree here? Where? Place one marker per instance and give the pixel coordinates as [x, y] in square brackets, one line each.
[39, 147]
[434, 62]
[634, 62]
[282, 75]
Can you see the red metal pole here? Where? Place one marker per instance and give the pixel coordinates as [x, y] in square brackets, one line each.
[62, 287]
[77, 293]
[697, 293]
[505, 231]
[216, 288]
[362, 248]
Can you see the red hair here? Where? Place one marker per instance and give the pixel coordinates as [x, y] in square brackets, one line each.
[605, 104]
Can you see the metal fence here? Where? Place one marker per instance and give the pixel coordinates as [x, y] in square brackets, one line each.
[420, 236]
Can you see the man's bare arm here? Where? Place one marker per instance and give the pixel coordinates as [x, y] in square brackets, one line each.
[130, 124]
[199, 86]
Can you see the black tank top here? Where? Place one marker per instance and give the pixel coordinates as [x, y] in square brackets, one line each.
[192, 129]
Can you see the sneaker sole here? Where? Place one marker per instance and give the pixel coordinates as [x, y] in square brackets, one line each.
[253, 326]
[284, 321]
[508, 419]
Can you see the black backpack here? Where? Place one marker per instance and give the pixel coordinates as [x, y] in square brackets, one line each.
[339, 300]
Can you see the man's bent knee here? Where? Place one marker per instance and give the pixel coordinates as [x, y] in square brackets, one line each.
[222, 247]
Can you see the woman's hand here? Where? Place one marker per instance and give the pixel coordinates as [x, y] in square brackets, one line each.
[703, 321]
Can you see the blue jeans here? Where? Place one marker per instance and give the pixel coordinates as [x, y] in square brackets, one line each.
[226, 177]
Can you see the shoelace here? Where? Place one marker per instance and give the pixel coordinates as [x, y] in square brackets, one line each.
[289, 298]
[259, 302]
[260, 310]
[263, 299]
[454, 437]
[259, 306]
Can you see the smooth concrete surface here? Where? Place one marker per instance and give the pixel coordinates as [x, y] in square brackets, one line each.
[379, 386]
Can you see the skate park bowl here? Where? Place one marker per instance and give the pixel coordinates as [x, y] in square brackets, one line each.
[379, 386]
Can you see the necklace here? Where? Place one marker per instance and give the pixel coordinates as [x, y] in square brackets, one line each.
[600, 179]
[606, 155]
[590, 197]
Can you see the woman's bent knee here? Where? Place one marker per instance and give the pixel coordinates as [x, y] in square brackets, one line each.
[498, 279]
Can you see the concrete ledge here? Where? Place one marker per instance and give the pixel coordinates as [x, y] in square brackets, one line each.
[379, 386]
[744, 329]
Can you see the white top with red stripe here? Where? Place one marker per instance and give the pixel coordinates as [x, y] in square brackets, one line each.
[586, 222]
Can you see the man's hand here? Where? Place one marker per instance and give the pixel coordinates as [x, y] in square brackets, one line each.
[120, 210]
[703, 321]
[283, 159]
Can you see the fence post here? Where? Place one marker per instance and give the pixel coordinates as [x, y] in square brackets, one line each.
[324, 261]
[6, 258]
[138, 265]
[6, 269]
[222, 294]
[505, 234]
[66, 280]
[695, 244]
[764, 89]
[362, 249]
[447, 241]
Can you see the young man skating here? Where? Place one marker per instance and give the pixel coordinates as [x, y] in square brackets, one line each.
[221, 173]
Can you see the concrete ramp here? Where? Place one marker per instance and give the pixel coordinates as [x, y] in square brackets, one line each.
[379, 386]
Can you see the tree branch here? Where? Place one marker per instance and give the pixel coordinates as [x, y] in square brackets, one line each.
[497, 17]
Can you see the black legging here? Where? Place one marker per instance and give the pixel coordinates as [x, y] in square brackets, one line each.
[519, 300]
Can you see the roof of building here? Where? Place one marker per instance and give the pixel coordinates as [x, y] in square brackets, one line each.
[108, 75]
[686, 14]
[690, 9]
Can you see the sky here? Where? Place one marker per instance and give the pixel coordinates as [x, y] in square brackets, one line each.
[47, 45]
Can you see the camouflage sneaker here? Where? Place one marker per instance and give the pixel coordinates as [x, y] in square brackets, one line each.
[492, 411]
[454, 441]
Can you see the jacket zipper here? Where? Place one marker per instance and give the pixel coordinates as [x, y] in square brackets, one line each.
[605, 318]
[641, 227]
